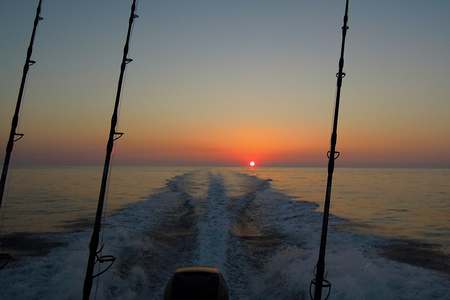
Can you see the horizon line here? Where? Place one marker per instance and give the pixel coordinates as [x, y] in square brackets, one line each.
[229, 165]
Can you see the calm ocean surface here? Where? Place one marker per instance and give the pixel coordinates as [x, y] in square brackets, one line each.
[397, 203]
[389, 234]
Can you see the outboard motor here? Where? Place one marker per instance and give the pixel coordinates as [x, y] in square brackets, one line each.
[195, 283]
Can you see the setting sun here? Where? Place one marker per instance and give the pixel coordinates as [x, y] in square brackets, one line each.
[252, 164]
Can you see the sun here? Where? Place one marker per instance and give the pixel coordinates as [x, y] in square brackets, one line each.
[252, 164]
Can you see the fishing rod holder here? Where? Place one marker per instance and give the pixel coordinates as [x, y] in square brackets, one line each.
[325, 284]
[101, 259]
[18, 136]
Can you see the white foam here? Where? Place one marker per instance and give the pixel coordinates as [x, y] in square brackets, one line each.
[144, 263]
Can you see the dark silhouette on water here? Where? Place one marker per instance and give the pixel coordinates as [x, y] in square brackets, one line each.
[13, 135]
[319, 282]
[195, 283]
[95, 253]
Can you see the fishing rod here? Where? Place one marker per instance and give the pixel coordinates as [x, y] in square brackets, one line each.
[95, 253]
[13, 135]
[319, 281]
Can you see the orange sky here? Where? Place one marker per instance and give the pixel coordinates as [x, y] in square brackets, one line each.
[226, 84]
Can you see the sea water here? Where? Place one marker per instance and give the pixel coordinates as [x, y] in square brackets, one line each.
[389, 232]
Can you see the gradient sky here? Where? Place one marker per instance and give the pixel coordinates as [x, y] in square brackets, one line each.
[226, 82]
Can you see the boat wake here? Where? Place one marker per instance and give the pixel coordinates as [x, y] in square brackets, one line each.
[264, 241]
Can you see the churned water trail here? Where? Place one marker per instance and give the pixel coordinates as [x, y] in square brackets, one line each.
[213, 225]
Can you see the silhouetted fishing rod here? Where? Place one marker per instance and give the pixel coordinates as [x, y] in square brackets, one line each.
[13, 135]
[319, 282]
[95, 253]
